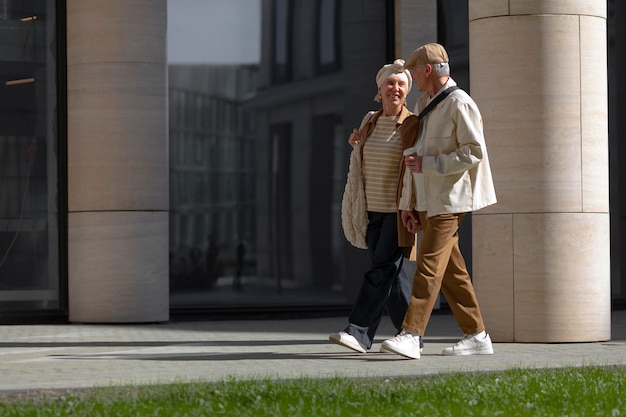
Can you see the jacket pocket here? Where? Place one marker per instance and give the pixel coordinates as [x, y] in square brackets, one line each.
[443, 141]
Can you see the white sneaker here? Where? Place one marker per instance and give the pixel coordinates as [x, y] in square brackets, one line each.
[347, 340]
[405, 344]
[384, 350]
[478, 344]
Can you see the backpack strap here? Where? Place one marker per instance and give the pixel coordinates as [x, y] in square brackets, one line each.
[436, 101]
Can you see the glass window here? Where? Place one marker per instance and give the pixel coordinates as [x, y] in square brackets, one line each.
[280, 95]
[328, 35]
[453, 33]
[282, 41]
[29, 235]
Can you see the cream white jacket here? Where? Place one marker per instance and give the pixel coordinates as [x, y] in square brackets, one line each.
[456, 175]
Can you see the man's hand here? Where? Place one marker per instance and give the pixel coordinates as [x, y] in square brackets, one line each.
[414, 163]
[411, 221]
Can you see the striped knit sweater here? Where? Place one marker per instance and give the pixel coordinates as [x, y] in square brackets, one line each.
[381, 166]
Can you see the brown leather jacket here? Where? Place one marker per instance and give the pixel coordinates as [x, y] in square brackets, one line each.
[408, 136]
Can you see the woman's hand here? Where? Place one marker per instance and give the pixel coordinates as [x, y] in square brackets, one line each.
[355, 137]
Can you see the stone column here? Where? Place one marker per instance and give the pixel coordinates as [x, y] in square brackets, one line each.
[117, 161]
[541, 264]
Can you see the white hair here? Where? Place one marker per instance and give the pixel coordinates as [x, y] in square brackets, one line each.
[442, 69]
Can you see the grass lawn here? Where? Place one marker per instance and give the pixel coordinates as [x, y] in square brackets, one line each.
[587, 391]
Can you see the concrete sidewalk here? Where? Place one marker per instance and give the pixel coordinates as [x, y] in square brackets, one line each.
[36, 357]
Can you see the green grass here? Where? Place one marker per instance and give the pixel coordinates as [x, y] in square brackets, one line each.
[588, 391]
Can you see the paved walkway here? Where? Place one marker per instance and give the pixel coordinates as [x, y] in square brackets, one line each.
[77, 356]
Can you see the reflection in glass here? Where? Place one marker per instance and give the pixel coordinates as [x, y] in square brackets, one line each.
[328, 33]
[259, 152]
[282, 41]
[211, 169]
[29, 275]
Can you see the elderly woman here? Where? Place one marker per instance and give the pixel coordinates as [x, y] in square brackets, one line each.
[380, 144]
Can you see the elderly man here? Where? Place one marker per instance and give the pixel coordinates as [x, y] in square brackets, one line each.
[451, 177]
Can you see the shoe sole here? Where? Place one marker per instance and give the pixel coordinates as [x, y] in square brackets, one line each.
[468, 353]
[384, 350]
[340, 343]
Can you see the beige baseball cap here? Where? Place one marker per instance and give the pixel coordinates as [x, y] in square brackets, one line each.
[431, 53]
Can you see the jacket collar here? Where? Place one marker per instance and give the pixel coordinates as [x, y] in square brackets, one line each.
[403, 115]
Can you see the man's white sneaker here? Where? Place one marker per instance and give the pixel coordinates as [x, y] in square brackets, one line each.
[347, 340]
[383, 350]
[478, 344]
[405, 344]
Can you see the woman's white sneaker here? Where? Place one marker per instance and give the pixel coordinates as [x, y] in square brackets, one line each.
[347, 340]
[477, 344]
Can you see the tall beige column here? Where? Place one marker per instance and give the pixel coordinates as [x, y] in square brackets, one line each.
[541, 255]
[117, 161]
